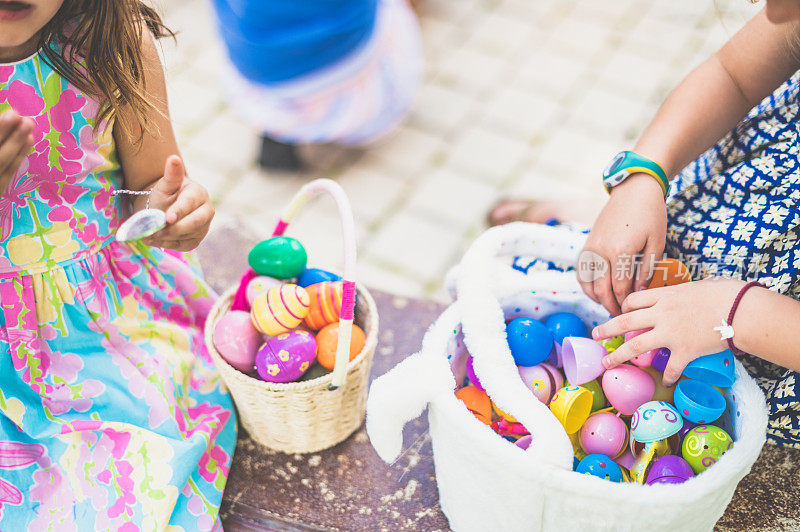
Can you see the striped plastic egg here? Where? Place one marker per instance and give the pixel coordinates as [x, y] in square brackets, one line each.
[325, 304]
[279, 309]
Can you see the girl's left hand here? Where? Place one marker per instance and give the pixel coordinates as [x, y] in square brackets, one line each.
[187, 205]
[681, 318]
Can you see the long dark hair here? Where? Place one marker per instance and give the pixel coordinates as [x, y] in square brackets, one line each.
[99, 51]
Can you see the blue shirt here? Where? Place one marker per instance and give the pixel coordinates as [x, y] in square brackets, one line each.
[271, 41]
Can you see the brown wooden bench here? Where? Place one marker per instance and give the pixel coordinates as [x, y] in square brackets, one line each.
[348, 487]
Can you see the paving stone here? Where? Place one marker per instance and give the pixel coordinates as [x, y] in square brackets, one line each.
[449, 196]
[486, 155]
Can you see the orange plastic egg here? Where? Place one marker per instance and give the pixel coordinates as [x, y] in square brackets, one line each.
[325, 304]
[328, 338]
[669, 272]
[476, 402]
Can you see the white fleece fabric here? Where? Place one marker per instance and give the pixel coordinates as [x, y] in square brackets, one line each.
[487, 483]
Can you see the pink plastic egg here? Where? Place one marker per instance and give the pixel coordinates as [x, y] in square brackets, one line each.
[604, 433]
[627, 388]
[543, 380]
[259, 284]
[237, 340]
[285, 357]
[645, 359]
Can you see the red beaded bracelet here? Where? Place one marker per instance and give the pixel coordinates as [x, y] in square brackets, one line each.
[728, 335]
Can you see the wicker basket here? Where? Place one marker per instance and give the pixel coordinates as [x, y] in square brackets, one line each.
[305, 416]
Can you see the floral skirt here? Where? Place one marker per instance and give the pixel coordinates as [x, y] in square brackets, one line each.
[735, 212]
[112, 415]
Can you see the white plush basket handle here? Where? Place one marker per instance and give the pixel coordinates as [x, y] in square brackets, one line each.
[483, 321]
[404, 392]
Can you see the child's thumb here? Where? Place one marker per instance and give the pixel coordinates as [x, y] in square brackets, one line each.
[174, 172]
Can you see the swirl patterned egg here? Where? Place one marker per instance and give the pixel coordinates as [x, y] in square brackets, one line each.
[325, 304]
[284, 358]
[280, 309]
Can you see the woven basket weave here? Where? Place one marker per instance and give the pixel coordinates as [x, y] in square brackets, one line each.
[301, 417]
[307, 416]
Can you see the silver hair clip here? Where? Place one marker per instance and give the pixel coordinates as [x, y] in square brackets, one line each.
[142, 223]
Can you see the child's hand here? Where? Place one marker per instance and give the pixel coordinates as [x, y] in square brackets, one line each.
[633, 223]
[187, 205]
[681, 317]
[16, 140]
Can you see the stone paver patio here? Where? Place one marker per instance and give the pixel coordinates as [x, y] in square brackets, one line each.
[520, 97]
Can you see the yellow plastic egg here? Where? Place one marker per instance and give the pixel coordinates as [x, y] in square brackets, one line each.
[280, 309]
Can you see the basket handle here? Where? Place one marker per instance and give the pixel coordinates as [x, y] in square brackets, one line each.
[347, 314]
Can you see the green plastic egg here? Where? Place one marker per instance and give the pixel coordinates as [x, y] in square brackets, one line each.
[612, 343]
[703, 445]
[598, 397]
[280, 257]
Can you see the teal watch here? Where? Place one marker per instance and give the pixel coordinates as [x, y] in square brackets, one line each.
[626, 163]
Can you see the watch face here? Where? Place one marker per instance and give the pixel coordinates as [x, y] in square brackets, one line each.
[141, 225]
[614, 164]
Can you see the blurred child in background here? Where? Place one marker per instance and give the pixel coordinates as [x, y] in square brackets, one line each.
[319, 71]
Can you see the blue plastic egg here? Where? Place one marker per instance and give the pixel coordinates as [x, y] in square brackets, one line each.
[716, 369]
[529, 340]
[315, 275]
[698, 402]
[600, 465]
[563, 324]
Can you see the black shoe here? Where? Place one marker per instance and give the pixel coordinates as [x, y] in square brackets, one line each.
[276, 155]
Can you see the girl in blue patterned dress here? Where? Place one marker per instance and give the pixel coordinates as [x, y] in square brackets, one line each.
[112, 415]
[732, 215]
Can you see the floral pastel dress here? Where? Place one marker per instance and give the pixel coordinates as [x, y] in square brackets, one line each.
[112, 416]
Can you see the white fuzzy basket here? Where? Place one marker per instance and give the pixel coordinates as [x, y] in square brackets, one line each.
[485, 482]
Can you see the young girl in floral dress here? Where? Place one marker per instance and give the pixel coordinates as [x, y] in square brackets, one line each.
[112, 416]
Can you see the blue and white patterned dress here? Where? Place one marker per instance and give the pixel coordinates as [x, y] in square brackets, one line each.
[734, 212]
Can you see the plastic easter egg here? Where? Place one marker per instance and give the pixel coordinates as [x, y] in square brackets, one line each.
[626, 459]
[524, 442]
[611, 344]
[458, 358]
[582, 359]
[575, 440]
[644, 359]
[476, 402]
[473, 378]
[554, 359]
[543, 380]
[662, 392]
[669, 272]
[325, 304]
[280, 257]
[698, 402]
[627, 388]
[315, 275]
[655, 420]
[571, 405]
[237, 340]
[669, 469]
[601, 466]
[563, 324]
[717, 369]
[660, 359]
[604, 433]
[285, 357]
[529, 340]
[703, 445]
[687, 426]
[500, 413]
[644, 460]
[257, 285]
[280, 309]
[328, 339]
[598, 397]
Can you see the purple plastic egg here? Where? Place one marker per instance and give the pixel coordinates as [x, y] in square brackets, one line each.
[627, 388]
[285, 357]
[237, 340]
[604, 433]
[257, 285]
[669, 469]
[687, 426]
[524, 442]
[473, 379]
[543, 380]
[626, 459]
[660, 359]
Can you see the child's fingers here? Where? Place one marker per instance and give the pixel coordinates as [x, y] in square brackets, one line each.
[633, 321]
[188, 226]
[174, 172]
[646, 264]
[604, 291]
[633, 347]
[622, 277]
[640, 300]
[190, 199]
[675, 366]
[178, 245]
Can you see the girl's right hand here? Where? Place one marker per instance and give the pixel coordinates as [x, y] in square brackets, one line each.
[631, 229]
[16, 140]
